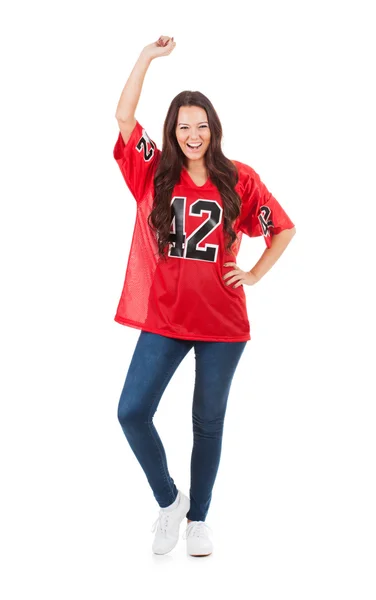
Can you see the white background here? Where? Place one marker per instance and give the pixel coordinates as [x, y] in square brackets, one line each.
[292, 512]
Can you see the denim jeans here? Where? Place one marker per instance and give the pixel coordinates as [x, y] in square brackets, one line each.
[155, 359]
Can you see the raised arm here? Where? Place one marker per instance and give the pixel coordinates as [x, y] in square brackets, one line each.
[126, 108]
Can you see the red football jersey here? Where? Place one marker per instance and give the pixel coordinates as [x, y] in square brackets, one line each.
[186, 296]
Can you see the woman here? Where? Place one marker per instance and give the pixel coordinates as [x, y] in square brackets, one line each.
[183, 288]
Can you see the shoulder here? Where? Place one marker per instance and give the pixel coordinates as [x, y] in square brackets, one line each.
[136, 142]
[247, 175]
[244, 169]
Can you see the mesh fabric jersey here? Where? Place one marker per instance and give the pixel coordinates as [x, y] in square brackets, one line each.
[186, 296]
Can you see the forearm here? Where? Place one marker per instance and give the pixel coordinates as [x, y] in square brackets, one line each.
[130, 95]
[279, 243]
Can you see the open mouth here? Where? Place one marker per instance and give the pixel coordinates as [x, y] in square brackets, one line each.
[195, 147]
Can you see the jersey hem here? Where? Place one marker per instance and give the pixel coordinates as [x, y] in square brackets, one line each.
[202, 338]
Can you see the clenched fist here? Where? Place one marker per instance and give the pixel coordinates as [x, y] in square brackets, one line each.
[162, 47]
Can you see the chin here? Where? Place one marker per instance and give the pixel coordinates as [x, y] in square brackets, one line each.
[193, 157]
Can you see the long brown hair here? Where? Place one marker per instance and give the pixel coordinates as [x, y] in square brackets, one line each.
[222, 171]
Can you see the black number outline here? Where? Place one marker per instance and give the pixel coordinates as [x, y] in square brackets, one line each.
[188, 248]
[142, 146]
[265, 222]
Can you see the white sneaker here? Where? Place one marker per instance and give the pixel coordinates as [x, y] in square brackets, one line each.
[167, 525]
[198, 535]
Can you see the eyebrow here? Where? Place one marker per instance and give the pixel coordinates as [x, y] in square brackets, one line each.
[197, 123]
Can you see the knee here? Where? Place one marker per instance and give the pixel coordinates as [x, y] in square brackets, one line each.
[208, 427]
[129, 414]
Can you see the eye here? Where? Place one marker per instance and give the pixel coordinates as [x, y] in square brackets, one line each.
[184, 127]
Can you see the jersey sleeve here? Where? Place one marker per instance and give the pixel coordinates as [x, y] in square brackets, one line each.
[137, 160]
[261, 213]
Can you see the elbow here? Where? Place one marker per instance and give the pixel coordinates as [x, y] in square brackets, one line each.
[123, 118]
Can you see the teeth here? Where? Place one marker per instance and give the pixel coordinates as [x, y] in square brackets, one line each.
[194, 146]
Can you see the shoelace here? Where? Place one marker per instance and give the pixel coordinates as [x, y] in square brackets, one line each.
[196, 528]
[161, 522]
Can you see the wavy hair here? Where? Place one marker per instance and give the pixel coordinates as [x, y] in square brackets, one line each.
[222, 171]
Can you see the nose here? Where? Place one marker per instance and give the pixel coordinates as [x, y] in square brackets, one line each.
[194, 136]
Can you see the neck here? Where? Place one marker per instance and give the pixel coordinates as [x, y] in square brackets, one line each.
[196, 166]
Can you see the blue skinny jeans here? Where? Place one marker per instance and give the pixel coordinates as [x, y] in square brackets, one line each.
[155, 359]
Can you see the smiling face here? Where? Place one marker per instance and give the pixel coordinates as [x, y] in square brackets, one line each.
[192, 132]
